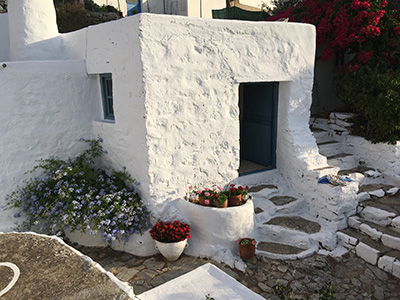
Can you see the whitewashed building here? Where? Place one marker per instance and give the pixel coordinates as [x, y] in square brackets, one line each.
[193, 100]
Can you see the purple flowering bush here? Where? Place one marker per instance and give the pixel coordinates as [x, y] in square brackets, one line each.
[74, 194]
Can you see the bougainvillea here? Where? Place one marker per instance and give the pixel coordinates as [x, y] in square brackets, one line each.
[363, 36]
[362, 29]
[170, 232]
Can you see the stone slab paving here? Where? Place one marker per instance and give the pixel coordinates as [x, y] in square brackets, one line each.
[50, 270]
[282, 200]
[352, 277]
[295, 223]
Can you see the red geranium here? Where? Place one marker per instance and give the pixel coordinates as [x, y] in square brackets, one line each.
[238, 190]
[170, 232]
[350, 27]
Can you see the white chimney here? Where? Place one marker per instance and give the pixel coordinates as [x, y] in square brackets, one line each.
[33, 30]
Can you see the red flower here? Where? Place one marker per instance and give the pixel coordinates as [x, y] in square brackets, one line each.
[384, 3]
[232, 185]
[232, 190]
[240, 188]
[168, 233]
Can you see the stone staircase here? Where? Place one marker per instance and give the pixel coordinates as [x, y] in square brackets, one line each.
[328, 136]
[374, 232]
[285, 228]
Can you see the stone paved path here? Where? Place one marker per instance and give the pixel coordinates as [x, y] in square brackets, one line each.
[352, 278]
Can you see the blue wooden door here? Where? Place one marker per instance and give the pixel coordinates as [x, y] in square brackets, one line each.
[259, 109]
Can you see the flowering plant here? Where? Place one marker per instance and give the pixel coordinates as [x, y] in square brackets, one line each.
[363, 36]
[247, 242]
[233, 191]
[74, 194]
[170, 232]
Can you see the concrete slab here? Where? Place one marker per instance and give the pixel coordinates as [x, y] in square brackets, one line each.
[207, 279]
[50, 269]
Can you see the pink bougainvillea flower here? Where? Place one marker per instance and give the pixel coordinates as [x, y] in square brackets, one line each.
[254, 243]
[206, 194]
[190, 187]
[206, 202]
[199, 192]
[384, 3]
[220, 188]
[206, 189]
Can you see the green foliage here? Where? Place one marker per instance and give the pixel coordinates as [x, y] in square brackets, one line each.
[208, 297]
[74, 194]
[376, 95]
[325, 293]
[279, 5]
[222, 198]
[71, 17]
[364, 39]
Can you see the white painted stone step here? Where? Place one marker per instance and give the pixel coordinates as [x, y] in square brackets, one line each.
[330, 148]
[377, 215]
[321, 135]
[371, 251]
[283, 251]
[327, 170]
[385, 235]
[343, 161]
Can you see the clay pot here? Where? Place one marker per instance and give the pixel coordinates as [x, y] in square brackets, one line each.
[221, 206]
[202, 201]
[235, 200]
[247, 252]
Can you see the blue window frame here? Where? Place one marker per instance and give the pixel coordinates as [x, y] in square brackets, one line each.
[107, 95]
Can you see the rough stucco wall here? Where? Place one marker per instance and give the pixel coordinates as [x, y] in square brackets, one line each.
[74, 44]
[4, 39]
[33, 30]
[119, 54]
[383, 157]
[192, 105]
[46, 108]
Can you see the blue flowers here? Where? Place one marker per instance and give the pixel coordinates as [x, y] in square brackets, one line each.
[74, 194]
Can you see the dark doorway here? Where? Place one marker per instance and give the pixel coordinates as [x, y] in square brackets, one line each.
[258, 126]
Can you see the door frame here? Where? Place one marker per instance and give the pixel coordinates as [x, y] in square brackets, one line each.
[274, 123]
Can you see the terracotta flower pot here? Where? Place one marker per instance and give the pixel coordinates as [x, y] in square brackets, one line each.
[171, 251]
[235, 200]
[221, 206]
[247, 251]
[202, 201]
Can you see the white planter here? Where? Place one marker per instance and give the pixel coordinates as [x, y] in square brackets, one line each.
[171, 251]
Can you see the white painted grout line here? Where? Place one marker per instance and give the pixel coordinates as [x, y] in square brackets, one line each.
[15, 277]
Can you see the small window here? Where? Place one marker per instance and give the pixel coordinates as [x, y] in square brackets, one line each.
[107, 94]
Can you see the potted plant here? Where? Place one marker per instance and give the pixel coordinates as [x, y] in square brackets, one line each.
[236, 194]
[171, 238]
[221, 200]
[247, 247]
[206, 196]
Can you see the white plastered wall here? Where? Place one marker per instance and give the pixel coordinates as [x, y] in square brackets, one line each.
[115, 48]
[46, 108]
[4, 39]
[192, 114]
[176, 83]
